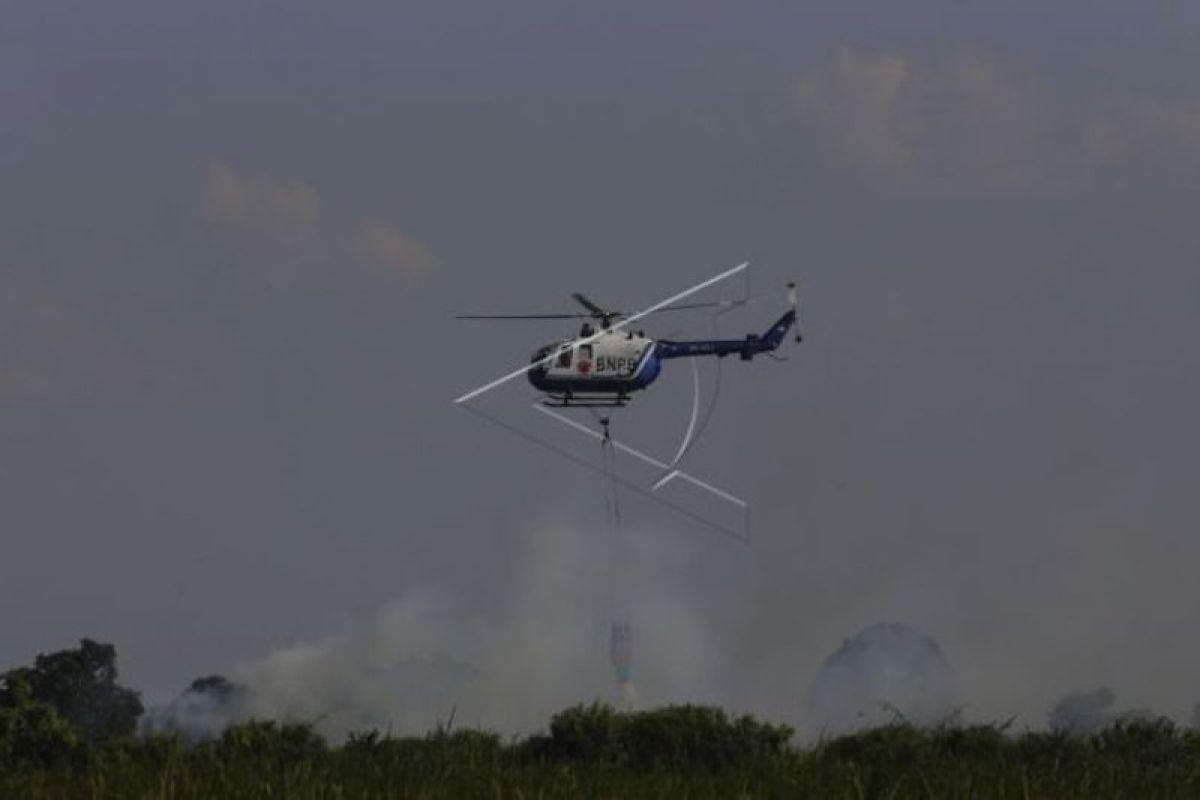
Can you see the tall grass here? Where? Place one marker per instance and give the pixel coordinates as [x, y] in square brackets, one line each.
[593, 751]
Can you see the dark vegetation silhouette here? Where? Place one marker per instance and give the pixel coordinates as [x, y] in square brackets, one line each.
[67, 730]
[81, 685]
[205, 708]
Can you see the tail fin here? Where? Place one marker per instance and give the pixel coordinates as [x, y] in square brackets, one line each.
[774, 335]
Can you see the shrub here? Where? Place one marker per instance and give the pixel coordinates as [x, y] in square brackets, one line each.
[691, 737]
[267, 742]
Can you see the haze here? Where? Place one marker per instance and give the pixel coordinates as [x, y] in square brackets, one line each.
[232, 236]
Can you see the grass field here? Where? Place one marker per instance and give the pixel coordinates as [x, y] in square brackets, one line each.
[595, 752]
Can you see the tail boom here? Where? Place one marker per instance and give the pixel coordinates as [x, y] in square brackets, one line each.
[747, 348]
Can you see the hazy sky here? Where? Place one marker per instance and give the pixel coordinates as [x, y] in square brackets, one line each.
[232, 236]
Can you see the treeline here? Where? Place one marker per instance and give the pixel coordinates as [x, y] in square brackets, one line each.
[68, 730]
[593, 751]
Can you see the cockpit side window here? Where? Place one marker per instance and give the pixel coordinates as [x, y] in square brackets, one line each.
[564, 358]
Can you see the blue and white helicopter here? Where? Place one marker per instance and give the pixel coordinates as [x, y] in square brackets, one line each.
[607, 361]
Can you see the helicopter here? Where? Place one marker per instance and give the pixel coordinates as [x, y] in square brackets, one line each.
[606, 361]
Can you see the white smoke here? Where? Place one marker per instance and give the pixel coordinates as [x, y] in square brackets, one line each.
[884, 673]
[401, 671]
[421, 660]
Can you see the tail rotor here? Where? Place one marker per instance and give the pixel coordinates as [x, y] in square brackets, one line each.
[793, 302]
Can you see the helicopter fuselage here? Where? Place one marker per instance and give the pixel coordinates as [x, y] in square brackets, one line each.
[615, 363]
[612, 363]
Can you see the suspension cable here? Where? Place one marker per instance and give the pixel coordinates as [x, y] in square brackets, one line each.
[608, 455]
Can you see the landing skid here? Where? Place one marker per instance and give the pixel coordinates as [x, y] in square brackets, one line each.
[585, 401]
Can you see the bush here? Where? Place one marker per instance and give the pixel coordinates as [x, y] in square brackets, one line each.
[267, 742]
[691, 737]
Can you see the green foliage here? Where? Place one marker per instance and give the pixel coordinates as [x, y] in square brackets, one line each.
[594, 751]
[695, 736]
[32, 733]
[81, 685]
[583, 733]
[266, 742]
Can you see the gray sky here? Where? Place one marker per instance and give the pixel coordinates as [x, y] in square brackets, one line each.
[232, 236]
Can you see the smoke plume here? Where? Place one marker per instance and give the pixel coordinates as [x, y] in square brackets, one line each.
[421, 661]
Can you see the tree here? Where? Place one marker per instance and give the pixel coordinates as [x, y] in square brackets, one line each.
[81, 685]
[201, 711]
[32, 731]
[217, 687]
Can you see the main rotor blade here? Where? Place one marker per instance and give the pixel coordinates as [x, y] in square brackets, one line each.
[588, 304]
[689, 306]
[522, 316]
[676, 307]
[487, 387]
[714, 304]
